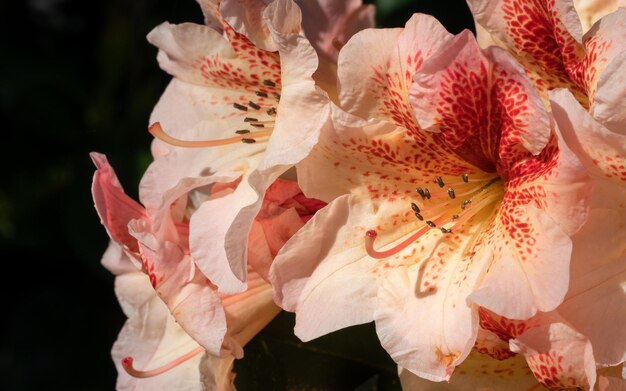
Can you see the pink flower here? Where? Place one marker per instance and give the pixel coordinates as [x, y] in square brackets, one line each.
[158, 246]
[243, 107]
[448, 160]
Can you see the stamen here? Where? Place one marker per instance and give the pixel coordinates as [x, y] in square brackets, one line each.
[242, 131]
[277, 96]
[254, 105]
[269, 83]
[420, 191]
[451, 193]
[446, 231]
[454, 217]
[415, 208]
[250, 119]
[271, 111]
[440, 181]
[127, 364]
[431, 224]
[258, 125]
[427, 194]
[465, 178]
[419, 216]
[261, 94]
[240, 107]
[156, 130]
[248, 140]
[465, 203]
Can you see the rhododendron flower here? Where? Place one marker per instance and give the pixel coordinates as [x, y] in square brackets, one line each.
[450, 191]
[546, 38]
[243, 106]
[157, 245]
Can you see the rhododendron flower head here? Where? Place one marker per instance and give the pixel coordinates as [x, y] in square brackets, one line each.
[447, 160]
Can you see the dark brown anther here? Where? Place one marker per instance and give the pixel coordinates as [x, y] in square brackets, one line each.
[248, 140]
[254, 105]
[465, 178]
[446, 231]
[419, 216]
[242, 131]
[271, 111]
[269, 83]
[415, 208]
[258, 125]
[240, 107]
[451, 193]
[440, 181]
[277, 96]
[261, 94]
[427, 193]
[250, 119]
[430, 224]
[454, 217]
[465, 203]
[420, 191]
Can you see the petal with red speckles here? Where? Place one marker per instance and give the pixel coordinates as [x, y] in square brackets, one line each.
[246, 17]
[481, 104]
[491, 344]
[558, 356]
[376, 68]
[478, 372]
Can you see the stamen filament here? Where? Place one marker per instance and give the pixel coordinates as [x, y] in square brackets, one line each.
[156, 130]
[127, 363]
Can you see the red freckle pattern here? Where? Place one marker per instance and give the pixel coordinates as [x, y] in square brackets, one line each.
[550, 371]
[552, 57]
[503, 327]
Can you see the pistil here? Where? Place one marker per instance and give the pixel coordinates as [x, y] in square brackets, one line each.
[127, 364]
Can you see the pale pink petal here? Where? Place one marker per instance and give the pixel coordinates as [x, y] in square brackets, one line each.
[376, 68]
[479, 372]
[187, 293]
[114, 207]
[117, 261]
[327, 258]
[304, 107]
[329, 24]
[520, 283]
[595, 304]
[602, 151]
[423, 318]
[559, 356]
[132, 291]
[153, 338]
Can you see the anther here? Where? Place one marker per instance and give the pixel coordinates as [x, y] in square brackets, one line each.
[446, 231]
[415, 208]
[269, 83]
[451, 193]
[431, 224]
[427, 193]
[242, 131]
[420, 191]
[258, 125]
[277, 96]
[419, 216]
[127, 364]
[254, 105]
[261, 94]
[240, 107]
[454, 217]
[440, 181]
[248, 140]
[250, 119]
[465, 178]
[271, 111]
[465, 203]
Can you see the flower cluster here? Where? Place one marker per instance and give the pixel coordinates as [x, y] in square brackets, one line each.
[469, 199]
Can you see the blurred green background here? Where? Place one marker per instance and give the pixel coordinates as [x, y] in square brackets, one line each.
[76, 77]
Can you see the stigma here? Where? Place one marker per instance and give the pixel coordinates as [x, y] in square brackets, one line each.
[444, 211]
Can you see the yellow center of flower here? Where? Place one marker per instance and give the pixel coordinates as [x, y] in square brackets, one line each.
[446, 206]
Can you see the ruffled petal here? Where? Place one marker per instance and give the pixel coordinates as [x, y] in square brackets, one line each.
[478, 372]
[590, 11]
[246, 17]
[376, 68]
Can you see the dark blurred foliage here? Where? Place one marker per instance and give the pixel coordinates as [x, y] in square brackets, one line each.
[78, 76]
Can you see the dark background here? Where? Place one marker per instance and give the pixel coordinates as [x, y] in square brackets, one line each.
[78, 76]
